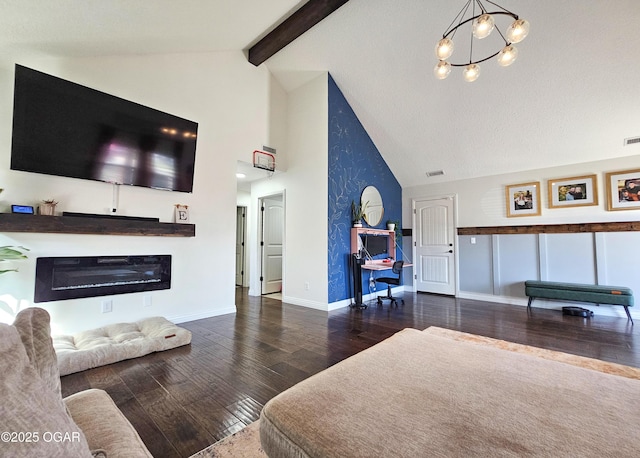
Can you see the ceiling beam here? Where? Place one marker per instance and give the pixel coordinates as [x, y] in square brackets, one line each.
[295, 25]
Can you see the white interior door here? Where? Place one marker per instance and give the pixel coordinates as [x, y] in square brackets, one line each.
[434, 257]
[272, 243]
[240, 244]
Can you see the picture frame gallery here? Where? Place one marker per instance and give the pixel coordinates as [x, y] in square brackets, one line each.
[623, 190]
[622, 193]
[523, 199]
[573, 191]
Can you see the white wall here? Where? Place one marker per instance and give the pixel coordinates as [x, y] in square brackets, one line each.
[305, 187]
[229, 99]
[494, 268]
[481, 201]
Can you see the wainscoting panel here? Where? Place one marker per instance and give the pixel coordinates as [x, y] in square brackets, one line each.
[471, 256]
[620, 263]
[516, 259]
[495, 267]
[568, 257]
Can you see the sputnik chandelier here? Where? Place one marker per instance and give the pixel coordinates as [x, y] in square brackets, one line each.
[482, 24]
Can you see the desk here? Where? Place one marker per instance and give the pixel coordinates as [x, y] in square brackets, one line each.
[357, 265]
[381, 265]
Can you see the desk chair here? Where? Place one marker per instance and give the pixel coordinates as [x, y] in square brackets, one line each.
[396, 269]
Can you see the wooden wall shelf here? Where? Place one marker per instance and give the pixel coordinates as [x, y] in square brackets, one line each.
[391, 241]
[552, 228]
[10, 222]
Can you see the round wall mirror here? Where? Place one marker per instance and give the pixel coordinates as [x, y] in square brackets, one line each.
[374, 208]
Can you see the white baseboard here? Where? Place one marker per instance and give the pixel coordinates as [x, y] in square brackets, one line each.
[200, 316]
[306, 303]
[603, 310]
[367, 297]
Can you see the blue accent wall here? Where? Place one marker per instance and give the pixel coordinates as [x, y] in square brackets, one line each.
[354, 163]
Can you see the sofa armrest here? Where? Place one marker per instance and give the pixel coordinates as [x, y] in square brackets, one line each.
[104, 425]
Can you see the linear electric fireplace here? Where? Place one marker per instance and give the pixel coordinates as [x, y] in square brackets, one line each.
[64, 278]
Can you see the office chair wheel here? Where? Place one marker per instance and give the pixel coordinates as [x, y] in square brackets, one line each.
[379, 301]
[402, 301]
[394, 302]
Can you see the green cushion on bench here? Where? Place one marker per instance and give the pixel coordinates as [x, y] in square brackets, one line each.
[599, 294]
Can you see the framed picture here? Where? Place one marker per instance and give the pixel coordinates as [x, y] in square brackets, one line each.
[573, 191]
[523, 199]
[622, 190]
[182, 214]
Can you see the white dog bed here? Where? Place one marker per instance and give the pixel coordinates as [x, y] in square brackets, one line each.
[117, 342]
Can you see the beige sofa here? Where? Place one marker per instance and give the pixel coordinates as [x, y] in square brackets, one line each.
[36, 420]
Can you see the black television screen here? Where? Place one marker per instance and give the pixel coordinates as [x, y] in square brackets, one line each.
[66, 129]
[375, 244]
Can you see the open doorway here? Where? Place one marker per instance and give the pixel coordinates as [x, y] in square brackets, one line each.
[271, 238]
[241, 245]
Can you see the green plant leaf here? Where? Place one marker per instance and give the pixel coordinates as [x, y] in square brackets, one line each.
[4, 306]
[10, 252]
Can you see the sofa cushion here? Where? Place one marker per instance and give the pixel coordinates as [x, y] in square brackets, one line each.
[35, 332]
[31, 412]
[117, 437]
[117, 342]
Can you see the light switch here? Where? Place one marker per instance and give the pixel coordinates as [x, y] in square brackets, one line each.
[473, 240]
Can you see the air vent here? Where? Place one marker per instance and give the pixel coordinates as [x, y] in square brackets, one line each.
[268, 149]
[435, 173]
[631, 141]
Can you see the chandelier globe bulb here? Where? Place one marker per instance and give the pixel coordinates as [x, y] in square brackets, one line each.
[444, 49]
[471, 73]
[442, 69]
[507, 55]
[483, 26]
[518, 31]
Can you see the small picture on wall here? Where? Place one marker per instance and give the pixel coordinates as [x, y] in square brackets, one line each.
[182, 214]
[623, 190]
[573, 191]
[523, 199]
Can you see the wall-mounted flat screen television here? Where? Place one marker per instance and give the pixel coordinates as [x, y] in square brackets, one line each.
[66, 129]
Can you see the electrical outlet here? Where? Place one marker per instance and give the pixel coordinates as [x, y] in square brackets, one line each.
[306, 286]
[107, 306]
[146, 301]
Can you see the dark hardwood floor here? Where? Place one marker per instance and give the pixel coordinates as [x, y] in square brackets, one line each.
[182, 400]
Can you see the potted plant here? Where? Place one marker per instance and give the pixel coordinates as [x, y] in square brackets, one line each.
[357, 212]
[10, 253]
[394, 225]
[48, 207]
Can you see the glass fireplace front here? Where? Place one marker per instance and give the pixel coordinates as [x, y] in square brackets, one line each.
[62, 278]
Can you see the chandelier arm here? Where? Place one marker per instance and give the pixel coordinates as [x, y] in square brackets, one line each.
[471, 45]
[477, 61]
[460, 15]
[506, 42]
[482, 8]
[449, 32]
[502, 8]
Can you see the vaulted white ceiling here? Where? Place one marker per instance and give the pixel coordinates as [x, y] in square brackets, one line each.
[572, 96]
